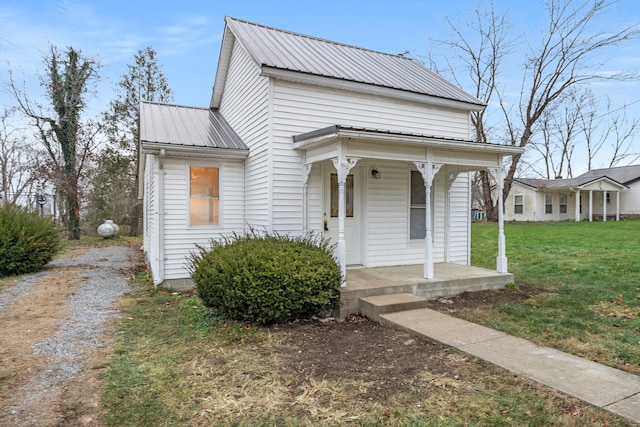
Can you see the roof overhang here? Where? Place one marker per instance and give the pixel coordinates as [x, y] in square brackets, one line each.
[331, 134]
[172, 149]
[335, 83]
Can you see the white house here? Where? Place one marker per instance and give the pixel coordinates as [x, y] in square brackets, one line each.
[307, 135]
[599, 194]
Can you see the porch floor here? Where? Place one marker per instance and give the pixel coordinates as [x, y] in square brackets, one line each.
[450, 279]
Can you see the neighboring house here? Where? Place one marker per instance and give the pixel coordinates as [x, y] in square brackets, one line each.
[307, 135]
[600, 194]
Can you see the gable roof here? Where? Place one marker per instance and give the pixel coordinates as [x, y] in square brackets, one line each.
[188, 127]
[623, 174]
[565, 184]
[288, 52]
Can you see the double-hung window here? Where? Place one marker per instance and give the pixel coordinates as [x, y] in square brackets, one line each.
[563, 203]
[204, 196]
[518, 204]
[548, 203]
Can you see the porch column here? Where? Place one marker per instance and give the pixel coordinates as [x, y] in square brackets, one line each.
[305, 199]
[343, 166]
[428, 170]
[590, 205]
[604, 206]
[578, 206]
[617, 205]
[501, 259]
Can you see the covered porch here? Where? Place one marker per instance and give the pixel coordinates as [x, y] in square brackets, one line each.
[450, 279]
[363, 185]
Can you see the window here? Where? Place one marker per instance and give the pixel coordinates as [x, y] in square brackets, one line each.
[548, 204]
[563, 203]
[608, 198]
[518, 204]
[204, 196]
[418, 207]
[348, 192]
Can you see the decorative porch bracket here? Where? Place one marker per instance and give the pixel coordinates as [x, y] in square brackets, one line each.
[305, 198]
[501, 259]
[428, 170]
[343, 167]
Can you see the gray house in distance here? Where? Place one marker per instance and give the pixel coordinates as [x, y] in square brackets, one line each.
[599, 194]
[371, 150]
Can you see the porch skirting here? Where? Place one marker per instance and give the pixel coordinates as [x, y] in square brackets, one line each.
[450, 279]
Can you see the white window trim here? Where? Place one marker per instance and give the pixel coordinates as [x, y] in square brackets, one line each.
[220, 168]
[515, 196]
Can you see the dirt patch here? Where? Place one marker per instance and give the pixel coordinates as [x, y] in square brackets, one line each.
[481, 299]
[357, 350]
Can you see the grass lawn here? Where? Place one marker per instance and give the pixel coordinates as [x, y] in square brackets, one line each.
[176, 364]
[588, 275]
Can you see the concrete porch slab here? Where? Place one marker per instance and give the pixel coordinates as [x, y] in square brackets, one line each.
[450, 279]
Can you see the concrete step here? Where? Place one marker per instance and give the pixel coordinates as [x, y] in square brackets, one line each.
[374, 306]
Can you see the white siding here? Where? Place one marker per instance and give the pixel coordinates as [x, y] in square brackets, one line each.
[530, 204]
[180, 239]
[298, 109]
[630, 200]
[150, 216]
[245, 107]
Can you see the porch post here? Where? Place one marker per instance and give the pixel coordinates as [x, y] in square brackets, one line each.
[342, 167]
[501, 259]
[578, 206]
[617, 205]
[590, 205]
[604, 206]
[305, 199]
[428, 170]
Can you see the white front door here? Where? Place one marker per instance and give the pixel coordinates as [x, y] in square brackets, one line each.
[353, 220]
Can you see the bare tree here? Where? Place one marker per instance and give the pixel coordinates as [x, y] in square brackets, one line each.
[606, 129]
[564, 57]
[144, 81]
[66, 138]
[18, 162]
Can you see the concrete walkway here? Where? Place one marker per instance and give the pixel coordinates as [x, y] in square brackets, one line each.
[599, 385]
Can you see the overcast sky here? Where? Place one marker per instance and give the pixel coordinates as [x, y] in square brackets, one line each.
[187, 34]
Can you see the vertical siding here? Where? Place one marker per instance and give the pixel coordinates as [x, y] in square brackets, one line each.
[245, 107]
[180, 239]
[150, 215]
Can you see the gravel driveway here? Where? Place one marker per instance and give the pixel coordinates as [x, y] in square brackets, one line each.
[53, 336]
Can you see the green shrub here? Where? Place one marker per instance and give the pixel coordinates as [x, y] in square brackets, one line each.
[27, 240]
[267, 278]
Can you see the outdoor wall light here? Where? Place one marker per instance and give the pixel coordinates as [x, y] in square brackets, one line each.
[375, 173]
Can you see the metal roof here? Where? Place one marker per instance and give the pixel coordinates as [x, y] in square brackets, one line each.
[285, 50]
[186, 126]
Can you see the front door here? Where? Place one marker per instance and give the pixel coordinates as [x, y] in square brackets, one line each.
[352, 232]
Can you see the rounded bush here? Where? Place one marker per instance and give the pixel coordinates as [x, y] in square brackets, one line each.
[27, 240]
[267, 278]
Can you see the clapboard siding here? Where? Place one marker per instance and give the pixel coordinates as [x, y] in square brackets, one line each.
[245, 105]
[180, 239]
[630, 199]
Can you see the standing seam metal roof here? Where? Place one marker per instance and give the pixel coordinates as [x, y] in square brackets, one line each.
[273, 47]
[188, 126]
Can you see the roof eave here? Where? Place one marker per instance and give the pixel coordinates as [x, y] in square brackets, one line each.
[224, 59]
[332, 82]
[333, 133]
[150, 147]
